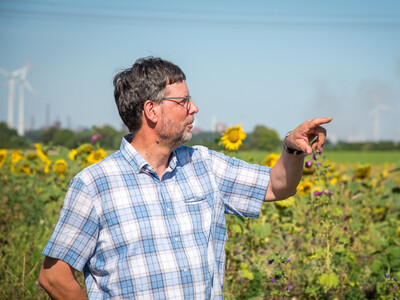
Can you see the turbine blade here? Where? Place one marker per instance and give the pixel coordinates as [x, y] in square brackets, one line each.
[30, 88]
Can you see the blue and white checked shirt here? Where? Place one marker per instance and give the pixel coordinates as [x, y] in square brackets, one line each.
[139, 237]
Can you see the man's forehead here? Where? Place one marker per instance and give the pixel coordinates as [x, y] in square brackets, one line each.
[177, 87]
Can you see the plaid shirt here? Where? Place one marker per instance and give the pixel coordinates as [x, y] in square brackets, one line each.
[139, 237]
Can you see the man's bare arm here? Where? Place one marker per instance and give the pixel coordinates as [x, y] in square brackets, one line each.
[58, 280]
[287, 172]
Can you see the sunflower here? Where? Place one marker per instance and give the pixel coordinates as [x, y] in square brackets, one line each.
[232, 138]
[25, 168]
[271, 159]
[284, 203]
[60, 167]
[96, 156]
[16, 156]
[72, 154]
[43, 157]
[304, 188]
[3, 156]
[363, 171]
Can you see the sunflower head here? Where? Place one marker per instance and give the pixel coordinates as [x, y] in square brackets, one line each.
[3, 156]
[363, 171]
[232, 138]
[271, 159]
[96, 156]
[60, 167]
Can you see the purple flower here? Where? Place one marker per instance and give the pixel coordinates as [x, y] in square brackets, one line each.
[321, 150]
[318, 193]
[387, 275]
[345, 218]
[288, 260]
[328, 192]
[96, 137]
[318, 164]
[345, 228]
[273, 279]
[314, 157]
[308, 163]
[270, 261]
[289, 287]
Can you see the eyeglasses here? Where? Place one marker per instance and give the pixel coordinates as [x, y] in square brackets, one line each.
[185, 101]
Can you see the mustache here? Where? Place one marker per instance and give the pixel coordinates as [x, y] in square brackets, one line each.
[191, 120]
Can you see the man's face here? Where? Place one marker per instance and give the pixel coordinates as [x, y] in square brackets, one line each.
[176, 120]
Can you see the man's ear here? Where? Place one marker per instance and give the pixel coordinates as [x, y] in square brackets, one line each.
[150, 110]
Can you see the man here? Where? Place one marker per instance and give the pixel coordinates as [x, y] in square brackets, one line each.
[148, 222]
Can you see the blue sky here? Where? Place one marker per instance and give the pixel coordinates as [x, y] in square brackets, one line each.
[273, 63]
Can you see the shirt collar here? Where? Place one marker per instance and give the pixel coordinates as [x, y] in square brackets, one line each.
[137, 161]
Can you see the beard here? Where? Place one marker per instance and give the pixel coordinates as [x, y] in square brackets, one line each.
[174, 134]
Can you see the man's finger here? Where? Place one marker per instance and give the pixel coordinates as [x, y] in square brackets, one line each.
[319, 121]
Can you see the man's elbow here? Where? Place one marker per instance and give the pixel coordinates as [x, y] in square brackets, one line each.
[284, 194]
[43, 280]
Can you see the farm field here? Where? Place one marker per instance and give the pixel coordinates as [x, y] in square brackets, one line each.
[337, 238]
[363, 157]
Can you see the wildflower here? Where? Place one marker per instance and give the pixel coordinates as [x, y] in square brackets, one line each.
[318, 164]
[289, 287]
[72, 154]
[96, 137]
[270, 261]
[314, 157]
[363, 171]
[284, 203]
[3, 156]
[60, 167]
[387, 275]
[344, 218]
[271, 159]
[345, 228]
[308, 164]
[273, 279]
[288, 260]
[318, 193]
[43, 157]
[96, 156]
[320, 150]
[233, 137]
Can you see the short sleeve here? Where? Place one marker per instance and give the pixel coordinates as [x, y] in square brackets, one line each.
[75, 236]
[243, 186]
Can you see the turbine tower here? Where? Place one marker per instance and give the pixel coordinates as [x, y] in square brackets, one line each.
[375, 112]
[23, 83]
[11, 92]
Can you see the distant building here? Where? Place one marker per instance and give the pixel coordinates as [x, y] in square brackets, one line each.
[219, 127]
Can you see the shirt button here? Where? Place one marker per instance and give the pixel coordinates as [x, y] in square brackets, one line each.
[168, 209]
[176, 239]
[185, 270]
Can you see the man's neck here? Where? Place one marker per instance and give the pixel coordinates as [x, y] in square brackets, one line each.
[151, 148]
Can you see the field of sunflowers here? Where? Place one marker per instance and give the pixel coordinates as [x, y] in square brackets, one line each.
[337, 238]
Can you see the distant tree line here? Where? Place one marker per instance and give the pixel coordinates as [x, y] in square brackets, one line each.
[54, 136]
[262, 138]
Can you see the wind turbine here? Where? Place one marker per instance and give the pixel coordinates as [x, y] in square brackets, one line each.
[375, 112]
[11, 94]
[23, 83]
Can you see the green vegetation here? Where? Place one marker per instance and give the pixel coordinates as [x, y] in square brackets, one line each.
[362, 157]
